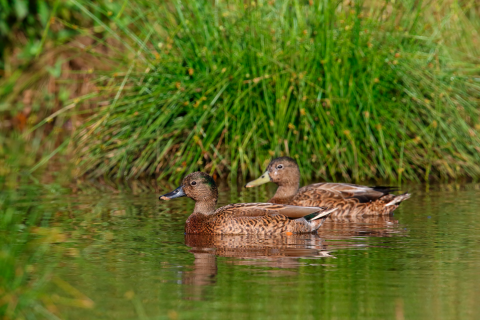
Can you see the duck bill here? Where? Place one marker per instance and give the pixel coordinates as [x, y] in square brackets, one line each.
[177, 193]
[264, 178]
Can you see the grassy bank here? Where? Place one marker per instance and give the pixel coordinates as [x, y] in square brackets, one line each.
[355, 91]
[352, 90]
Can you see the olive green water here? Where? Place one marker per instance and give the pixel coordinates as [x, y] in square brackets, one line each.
[126, 257]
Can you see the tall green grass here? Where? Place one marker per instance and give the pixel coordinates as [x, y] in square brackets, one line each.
[353, 90]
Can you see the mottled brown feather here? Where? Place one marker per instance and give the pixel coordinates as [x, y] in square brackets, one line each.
[242, 218]
[349, 199]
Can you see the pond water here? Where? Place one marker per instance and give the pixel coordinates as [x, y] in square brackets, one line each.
[125, 256]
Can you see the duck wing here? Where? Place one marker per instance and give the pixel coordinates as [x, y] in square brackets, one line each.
[270, 209]
[348, 191]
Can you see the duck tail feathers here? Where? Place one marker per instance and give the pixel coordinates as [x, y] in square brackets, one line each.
[398, 199]
[323, 214]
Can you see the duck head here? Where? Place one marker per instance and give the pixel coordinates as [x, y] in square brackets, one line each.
[282, 171]
[198, 186]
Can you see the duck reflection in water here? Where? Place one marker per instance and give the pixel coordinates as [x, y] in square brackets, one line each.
[264, 251]
[283, 253]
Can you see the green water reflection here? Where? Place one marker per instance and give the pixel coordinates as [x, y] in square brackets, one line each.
[127, 253]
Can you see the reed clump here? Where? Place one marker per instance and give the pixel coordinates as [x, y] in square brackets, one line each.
[354, 90]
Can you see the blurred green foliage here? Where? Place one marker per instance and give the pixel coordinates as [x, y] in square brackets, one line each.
[24, 242]
[28, 17]
[26, 25]
[38, 42]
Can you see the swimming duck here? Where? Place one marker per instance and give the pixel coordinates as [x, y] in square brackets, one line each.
[349, 199]
[241, 218]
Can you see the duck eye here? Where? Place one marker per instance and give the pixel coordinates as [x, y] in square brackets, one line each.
[280, 166]
[193, 183]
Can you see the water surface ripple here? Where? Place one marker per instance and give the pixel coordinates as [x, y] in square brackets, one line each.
[129, 255]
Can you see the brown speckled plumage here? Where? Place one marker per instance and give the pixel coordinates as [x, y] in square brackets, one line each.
[349, 199]
[241, 218]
